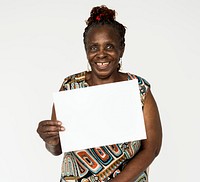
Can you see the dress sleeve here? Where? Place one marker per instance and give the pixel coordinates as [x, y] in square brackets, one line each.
[74, 81]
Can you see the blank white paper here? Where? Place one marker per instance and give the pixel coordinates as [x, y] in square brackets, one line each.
[100, 115]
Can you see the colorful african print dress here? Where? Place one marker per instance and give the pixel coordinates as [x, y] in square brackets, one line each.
[104, 163]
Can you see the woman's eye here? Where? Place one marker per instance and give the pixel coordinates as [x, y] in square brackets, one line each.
[93, 48]
[109, 46]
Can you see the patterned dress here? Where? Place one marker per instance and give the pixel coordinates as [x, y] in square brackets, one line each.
[103, 163]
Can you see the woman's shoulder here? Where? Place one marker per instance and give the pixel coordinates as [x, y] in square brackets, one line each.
[144, 85]
[74, 81]
[141, 80]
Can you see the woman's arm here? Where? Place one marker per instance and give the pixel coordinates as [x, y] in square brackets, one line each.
[150, 147]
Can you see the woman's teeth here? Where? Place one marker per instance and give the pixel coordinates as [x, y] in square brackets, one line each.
[103, 64]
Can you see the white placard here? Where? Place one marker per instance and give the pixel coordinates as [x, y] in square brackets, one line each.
[100, 115]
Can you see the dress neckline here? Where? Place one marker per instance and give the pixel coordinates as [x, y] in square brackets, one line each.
[129, 77]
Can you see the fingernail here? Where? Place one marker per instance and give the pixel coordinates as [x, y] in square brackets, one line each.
[62, 128]
[59, 123]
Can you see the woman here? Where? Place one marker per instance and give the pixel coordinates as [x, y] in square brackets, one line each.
[125, 162]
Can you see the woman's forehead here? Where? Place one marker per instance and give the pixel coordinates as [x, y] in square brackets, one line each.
[103, 31]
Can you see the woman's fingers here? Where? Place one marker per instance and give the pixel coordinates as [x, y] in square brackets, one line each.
[49, 130]
[49, 125]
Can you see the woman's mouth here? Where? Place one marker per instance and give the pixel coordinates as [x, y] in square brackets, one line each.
[102, 65]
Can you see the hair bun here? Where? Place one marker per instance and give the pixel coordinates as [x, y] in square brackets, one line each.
[101, 14]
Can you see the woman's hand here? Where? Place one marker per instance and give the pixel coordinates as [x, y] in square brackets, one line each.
[49, 132]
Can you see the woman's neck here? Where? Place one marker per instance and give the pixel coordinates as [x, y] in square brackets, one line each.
[92, 79]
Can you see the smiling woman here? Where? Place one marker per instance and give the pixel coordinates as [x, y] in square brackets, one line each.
[123, 162]
[104, 44]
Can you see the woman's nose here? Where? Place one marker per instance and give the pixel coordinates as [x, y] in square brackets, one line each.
[101, 53]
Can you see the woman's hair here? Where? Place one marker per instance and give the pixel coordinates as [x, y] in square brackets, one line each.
[101, 15]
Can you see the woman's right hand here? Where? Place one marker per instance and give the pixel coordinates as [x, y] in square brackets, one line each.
[49, 131]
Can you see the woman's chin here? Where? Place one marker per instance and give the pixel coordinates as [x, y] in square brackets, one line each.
[103, 74]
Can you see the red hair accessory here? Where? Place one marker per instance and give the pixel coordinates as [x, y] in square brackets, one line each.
[98, 18]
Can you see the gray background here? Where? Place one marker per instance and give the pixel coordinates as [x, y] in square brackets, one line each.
[41, 43]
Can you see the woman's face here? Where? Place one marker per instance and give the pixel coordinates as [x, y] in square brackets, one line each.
[103, 51]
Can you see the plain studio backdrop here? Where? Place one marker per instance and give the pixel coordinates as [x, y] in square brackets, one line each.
[41, 43]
